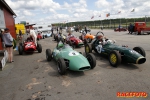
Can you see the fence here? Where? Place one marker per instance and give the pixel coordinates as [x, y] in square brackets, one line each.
[107, 24]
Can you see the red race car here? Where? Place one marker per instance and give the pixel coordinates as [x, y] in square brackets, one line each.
[29, 46]
[39, 36]
[121, 29]
[74, 41]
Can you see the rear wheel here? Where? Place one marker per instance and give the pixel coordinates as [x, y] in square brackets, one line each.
[48, 55]
[20, 49]
[114, 58]
[92, 60]
[88, 48]
[140, 50]
[14, 43]
[61, 66]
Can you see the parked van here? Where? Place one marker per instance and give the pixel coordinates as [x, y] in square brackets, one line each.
[20, 27]
[42, 27]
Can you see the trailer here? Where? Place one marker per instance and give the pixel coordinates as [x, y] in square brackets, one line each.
[141, 28]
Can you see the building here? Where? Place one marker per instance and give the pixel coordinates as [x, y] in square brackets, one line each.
[7, 19]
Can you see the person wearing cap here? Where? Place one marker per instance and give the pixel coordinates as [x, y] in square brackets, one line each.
[8, 41]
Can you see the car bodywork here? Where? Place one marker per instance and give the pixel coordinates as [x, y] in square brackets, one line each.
[141, 28]
[39, 36]
[118, 53]
[29, 46]
[88, 37]
[73, 60]
[74, 41]
[121, 29]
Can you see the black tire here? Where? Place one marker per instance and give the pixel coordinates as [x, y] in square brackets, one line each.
[61, 66]
[80, 37]
[39, 48]
[20, 44]
[114, 55]
[20, 49]
[38, 39]
[92, 60]
[88, 48]
[71, 44]
[140, 50]
[14, 43]
[48, 55]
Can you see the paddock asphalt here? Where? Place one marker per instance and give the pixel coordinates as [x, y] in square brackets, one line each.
[31, 77]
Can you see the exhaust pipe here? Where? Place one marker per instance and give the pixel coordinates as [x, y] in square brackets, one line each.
[140, 60]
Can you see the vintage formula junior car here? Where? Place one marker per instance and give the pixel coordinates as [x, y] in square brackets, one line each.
[74, 41]
[59, 36]
[86, 37]
[29, 46]
[67, 58]
[117, 53]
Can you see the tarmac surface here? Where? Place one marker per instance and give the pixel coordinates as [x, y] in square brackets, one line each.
[31, 77]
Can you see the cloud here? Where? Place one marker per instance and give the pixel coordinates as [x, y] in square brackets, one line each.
[44, 11]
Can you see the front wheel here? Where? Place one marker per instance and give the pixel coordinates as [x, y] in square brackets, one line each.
[61, 66]
[20, 49]
[48, 55]
[114, 58]
[92, 60]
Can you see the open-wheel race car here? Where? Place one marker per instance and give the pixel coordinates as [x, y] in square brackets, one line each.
[39, 36]
[121, 29]
[59, 37]
[74, 41]
[86, 37]
[116, 53]
[29, 46]
[67, 58]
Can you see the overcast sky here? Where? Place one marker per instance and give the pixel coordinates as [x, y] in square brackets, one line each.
[55, 11]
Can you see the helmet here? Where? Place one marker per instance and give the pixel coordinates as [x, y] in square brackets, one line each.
[99, 37]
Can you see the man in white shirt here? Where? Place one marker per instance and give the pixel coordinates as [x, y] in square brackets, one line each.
[33, 35]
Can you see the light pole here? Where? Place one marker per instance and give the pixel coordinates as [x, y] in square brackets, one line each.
[145, 18]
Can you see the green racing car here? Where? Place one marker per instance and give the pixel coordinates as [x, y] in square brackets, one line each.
[67, 58]
[116, 54]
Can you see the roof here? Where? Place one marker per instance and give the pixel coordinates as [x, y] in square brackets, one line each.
[30, 24]
[7, 7]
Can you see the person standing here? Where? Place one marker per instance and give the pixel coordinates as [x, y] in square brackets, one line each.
[57, 29]
[33, 35]
[85, 29]
[131, 28]
[52, 31]
[60, 29]
[8, 41]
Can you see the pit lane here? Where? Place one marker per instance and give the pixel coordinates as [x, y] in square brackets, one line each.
[31, 77]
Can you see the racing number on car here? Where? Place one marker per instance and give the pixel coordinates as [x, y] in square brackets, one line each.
[73, 53]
